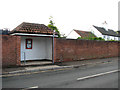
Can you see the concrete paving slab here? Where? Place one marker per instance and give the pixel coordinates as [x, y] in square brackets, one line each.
[32, 62]
[41, 67]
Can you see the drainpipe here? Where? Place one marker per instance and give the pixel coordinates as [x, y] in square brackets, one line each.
[24, 59]
[53, 47]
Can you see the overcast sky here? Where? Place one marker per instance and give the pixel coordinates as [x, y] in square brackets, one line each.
[67, 14]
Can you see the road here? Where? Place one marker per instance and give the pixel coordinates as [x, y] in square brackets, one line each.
[68, 78]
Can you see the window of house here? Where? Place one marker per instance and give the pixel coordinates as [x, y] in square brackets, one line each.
[28, 43]
[114, 38]
[108, 37]
[104, 36]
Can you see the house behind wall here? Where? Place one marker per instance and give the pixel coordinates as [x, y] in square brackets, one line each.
[107, 34]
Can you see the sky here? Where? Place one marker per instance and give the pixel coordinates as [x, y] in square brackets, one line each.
[67, 14]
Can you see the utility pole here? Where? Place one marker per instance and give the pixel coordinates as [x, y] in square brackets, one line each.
[53, 47]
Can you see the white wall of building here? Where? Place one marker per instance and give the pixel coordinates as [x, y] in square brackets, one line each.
[41, 48]
[113, 38]
[73, 35]
[116, 38]
[107, 37]
[96, 32]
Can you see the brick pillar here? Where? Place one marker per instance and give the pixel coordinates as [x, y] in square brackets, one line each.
[10, 50]
[18, 43]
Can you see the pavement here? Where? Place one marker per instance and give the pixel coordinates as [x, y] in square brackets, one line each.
[30, 68]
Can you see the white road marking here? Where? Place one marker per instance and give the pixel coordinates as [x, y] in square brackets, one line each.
[96, 75]
[34, 87]
[30, 88]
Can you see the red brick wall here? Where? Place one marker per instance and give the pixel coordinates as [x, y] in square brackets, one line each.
[64, 50]
[10, 50]
[70, 50]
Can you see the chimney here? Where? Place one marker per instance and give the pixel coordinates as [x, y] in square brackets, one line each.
[105, 25]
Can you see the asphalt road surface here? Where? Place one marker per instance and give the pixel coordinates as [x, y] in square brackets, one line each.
[104, 75]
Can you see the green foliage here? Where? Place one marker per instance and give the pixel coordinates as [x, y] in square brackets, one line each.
[112, 40]
[91, 38]
[53, 27]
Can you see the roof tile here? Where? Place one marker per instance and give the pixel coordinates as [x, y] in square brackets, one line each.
[32, 28]
[84, 34]
[106, 32]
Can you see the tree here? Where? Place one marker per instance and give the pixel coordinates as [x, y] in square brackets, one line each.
[52, 26]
